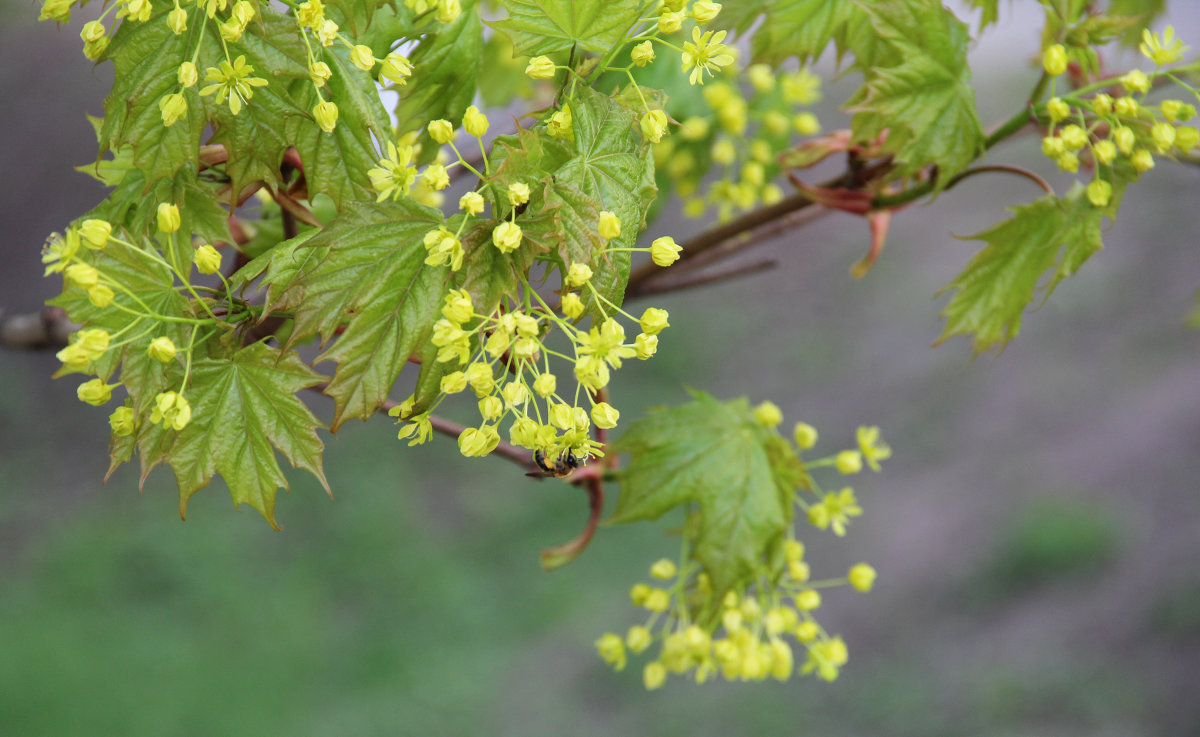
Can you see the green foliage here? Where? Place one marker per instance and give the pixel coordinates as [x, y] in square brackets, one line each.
[1052, 234]
[712, 455]
[545, 26]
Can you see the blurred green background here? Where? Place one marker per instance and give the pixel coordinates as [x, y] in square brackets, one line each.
[1037, 532]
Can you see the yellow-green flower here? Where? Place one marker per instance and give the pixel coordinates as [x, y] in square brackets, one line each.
[395, 174]
[1162, 50]
[233, 82]
[705, 53]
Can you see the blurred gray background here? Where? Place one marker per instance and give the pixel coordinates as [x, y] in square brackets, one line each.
[1037, 532]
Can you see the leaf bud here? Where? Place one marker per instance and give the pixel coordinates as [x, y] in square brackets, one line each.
[642, 54]
[475, 122]
[162, 349]
[540, 67]
[362, 57]
[605, 416]
[665, 251]
[95, 392]
[208, 261]
[168, 217]
[326, 114]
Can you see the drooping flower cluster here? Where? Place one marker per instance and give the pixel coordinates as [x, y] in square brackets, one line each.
[1120, 134]
[750, 632]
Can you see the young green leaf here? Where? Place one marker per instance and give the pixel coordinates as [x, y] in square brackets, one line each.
[374, 283]
[545, 26]
[995, 287]
[243, 409]
[714, 455]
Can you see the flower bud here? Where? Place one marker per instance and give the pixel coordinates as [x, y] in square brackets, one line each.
[638, 639]
[808, 600]
[1163, 135]
[642, 54]
[605, 415]
[805, 435]
[475, 122]
[168, 217]
[319, 72]
[1054, 60]
[95, 392]
[243, 12]
[609, 225]
[1186, 138]
[453, 383]
[93, 342]
[1125, 139]
[441, 131]
[1142, 160]
[58, 11]
[654, 321]
[471, 203]
[654, 125]
[1127, 107]
[362, 57]
[670, 22]
[705, 11]
[436, 177]
[326, 114]
[474, 443]
[1136, 81]
[1099, 192]
[578, 275]
[663, 569]
[92, 31]
[448, 11]
[83, 276]
[187, 74]
[518, 193]
[101, 296]
[1105, 151]
[848, 462]
[162, 349]
[1073, 137]
[768, 414]
[506, 237]
[572, 305]
[516, 394]
[327, 33]
[645, 345]
[1102, 104]
[559, 124]
[612, 650]
[121, 421]
[95, 232]
[208, 261]
[396, 69]
[545, 385]
[172, 107]
[540, 67]
[490, 408]
[665, 251]
[862, 577]
[1057, 109]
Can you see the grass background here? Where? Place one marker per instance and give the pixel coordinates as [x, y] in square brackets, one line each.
[1036, 532]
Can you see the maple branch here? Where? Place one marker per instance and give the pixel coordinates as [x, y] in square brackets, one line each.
[692, 279]
[453, 429]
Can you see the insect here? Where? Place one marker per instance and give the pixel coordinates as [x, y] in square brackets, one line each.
[560, 467]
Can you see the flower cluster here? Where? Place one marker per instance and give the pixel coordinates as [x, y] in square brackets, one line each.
[749, 632]
[1120, 134]
[77, 255]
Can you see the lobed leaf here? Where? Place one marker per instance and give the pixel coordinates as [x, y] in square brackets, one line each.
[545, 26]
